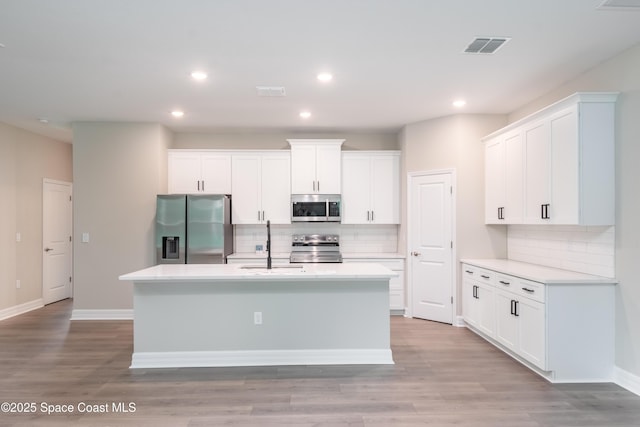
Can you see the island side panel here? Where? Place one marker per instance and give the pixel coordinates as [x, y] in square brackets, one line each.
[218, 316]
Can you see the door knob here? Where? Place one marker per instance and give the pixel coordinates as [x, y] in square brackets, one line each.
[48, 249]
[415, 253]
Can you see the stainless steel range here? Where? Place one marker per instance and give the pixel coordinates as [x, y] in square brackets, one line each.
[315, 248]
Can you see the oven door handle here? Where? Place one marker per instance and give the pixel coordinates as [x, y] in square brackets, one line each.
[327, 208]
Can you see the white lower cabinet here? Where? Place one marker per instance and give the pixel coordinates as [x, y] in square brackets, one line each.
[562, 327]
[478, 300]
[520, 326]
[396, 284]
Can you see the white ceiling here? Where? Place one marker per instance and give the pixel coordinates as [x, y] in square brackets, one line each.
[394, 61]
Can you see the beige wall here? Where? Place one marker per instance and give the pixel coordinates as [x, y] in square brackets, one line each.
[620, 74]
[25, 160]
[278, 141]
[118, 168]
[454, 143]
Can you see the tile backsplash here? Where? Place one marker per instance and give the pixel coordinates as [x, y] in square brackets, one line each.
[577, 248]
[353, 238]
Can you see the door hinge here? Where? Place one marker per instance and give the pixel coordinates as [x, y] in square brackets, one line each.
[451, 189]
[452, 244]
[451, 300]
[69, 198]
[70, 238]
[69, 279]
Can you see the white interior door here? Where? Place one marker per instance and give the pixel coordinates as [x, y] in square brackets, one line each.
[56, 241]
[430, 246]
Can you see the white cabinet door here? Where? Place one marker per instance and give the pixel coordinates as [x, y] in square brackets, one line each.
[537, 173]
[184, 173]
[485, 297]
[276, 188]
[531, 315]
[356, 184]
[328, 169]
[507, 331]
[385, 189]
[470, 306]
[199, 172]
[565, 173]
[494, 152]
[370, 188]
[303, 169]
[513, 178]
[316, 166]
[216, 173]
[245, 192]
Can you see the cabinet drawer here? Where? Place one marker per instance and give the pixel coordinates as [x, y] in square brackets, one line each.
[530, 289]
[479, 274]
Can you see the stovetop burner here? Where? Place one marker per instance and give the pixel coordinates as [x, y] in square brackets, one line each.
[315, 248]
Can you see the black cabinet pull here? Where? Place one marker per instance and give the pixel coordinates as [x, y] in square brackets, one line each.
[484, 277]
[544, 211]
[505, 283]
[468, 271]
[501, 212]
[514, 308]
[528, 290]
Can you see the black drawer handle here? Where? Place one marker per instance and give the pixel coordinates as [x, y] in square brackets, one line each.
[484, 277]
[528, 290]
[468, 271]
[505, 283]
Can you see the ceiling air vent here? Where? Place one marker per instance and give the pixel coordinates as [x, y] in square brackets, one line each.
[270, 91]
[620, 5]
[486, 44]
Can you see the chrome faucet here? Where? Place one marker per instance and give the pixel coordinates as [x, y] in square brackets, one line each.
[268, 245]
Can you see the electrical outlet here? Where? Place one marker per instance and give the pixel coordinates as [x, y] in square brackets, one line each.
[18, 237]
[257, 318]
[18, 284]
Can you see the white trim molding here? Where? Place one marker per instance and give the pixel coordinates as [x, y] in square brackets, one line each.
[626, 379]
[21, 308]
[193, 359]
[458, 321]
[123, 314]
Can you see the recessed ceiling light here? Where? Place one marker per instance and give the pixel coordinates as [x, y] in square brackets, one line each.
[177, 113]
[325, 77]
[43, 120]
[199, 75]
[305, 114]
[459, 103]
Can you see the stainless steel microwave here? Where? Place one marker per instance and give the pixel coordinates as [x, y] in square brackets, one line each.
[315, 208]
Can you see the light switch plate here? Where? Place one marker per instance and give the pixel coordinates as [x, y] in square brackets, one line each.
[18, 237]
[85, 237]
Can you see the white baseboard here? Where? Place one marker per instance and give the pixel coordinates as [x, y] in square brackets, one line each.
[123, 314]
[459, 322]
[21, 308]
[627, 380]
[192, 359]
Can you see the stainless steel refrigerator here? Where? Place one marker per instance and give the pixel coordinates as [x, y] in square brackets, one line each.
[193, 229]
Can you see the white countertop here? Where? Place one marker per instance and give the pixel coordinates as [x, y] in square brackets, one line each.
[537, 273]
[227, 272]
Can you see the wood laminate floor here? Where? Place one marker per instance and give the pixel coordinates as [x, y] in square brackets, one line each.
[443, 376]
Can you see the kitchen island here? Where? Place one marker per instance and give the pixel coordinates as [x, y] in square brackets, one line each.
[197, 315]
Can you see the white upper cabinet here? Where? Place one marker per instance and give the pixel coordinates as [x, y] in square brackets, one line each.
[315, 166]
[504, 179]
[563, 162]
[371, 187]
[261, 188]
[199, 172]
